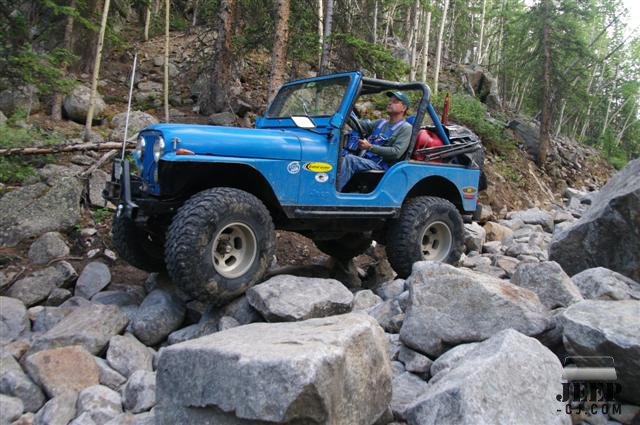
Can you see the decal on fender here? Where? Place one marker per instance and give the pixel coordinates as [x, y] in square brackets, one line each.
[318, 167]
[322, 177]
[293, 167]
[469, 192]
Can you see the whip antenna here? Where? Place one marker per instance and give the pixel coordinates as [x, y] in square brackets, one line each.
[126, 121]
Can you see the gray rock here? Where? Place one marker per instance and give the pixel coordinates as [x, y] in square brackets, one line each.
[76, 104]
[160, 313]
[414, 361]
[607, 328]
[83, 419]
[97, 182]
[107, 376]
[91, 327]
[508, 264]
[47, 247]
[94, 277]
[486, 213]
[600, 283]
[608, 234]
[222, 118]
[494, 271]
[62, 369]
[37, 287]
[391, 289]
[145, 418]
[11, 408]
[241, 310]
[534, 216]
[38, 208]
[119, 298]
[389, 315]
[459, 395]
[47, 317]
[227, 322]
[139, 394]
[100, 403]
[328, 370]
[451, 358]
[57, 296]
[365, 299]
[407, 388]
[497, 232]
[519, 250]
[290, 298]
[14, 382]
[549, 282]
[493, 247]
[150, 86]
[474, 237]
[23, 98]
[76, 302]
[452, 306]
[13, 319]
[126, 355]
[60, 410]
[138, 120]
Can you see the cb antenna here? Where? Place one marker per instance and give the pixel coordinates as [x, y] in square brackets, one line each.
[126, 121]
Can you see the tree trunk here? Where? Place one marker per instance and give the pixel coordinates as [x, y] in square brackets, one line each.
[375, 21]
[96, 72]
[414, 38]
[147, 22]
[279, 56]
[479, 56]
[545, 120]
[560, 118]
[326, 45]
[215, 99]
[167, 12]
[439, 48]
[320, 29]
[425, 57]
[390, 14]
[56, 108]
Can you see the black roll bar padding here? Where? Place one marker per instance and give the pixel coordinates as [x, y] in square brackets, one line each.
[130, 207]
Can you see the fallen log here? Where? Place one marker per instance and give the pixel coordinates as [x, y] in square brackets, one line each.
[63, 148]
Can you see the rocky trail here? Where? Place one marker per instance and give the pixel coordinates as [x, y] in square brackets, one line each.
[87, 339]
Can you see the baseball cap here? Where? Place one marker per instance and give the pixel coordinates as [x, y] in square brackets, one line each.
[400, 96]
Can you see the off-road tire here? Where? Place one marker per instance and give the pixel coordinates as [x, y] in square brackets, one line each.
[136, 246]
[190, 238]
[346, 247]
[404, 244]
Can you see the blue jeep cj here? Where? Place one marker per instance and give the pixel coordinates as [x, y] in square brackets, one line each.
[205, 200]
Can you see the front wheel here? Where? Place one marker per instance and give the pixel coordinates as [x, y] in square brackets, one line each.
[219, 244]
[429, 228]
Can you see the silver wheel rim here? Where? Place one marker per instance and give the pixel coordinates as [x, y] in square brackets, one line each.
[234, 250]
[436, 241]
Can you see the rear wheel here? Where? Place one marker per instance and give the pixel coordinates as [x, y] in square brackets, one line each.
[429, 228]
[219, 244]
[346, 247]
[138, 247]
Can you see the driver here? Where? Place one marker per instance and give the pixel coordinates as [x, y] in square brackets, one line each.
[387, 144]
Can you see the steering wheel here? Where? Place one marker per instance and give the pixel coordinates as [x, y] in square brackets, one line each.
[354, 123]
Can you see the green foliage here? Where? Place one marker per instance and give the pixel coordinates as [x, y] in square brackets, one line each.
[14, 171]
[508, 171]
[101, 214]
[371, 57]
[41, 69]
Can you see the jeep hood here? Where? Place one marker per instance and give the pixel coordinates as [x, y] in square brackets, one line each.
[231, 141]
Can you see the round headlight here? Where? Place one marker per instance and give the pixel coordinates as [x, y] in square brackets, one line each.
[158, 148]
[139, 151]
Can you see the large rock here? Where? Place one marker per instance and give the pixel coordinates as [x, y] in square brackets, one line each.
[332, 370]
[19, 99]
[13, 319]
[160, 313]
[11, 408]
[62, 369]
[407, 388]
[39, 208]
[497, 232]
[14, 382]
[126, 355]
[478, 82]
[76, 104]
[482, 387]
[474, 237]
[93, 278]
[138, 120]
[37, 287]
[289, 298]
[139, 394]
[549, 282]
[451, 306]
[607, 328]
[47, 247]
[60, 410]
[109, 377]
[90, 327]
[100, 403]
[534, 216]
[603, 284]
[608, 234]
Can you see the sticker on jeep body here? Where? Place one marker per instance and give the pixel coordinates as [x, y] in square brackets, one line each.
[318, 167]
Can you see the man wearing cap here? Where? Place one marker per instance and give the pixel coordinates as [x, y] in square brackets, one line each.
[387, 144]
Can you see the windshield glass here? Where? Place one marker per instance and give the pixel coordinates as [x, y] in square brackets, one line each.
[315, 98]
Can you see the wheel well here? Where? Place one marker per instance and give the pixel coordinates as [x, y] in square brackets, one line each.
[437, 186]
[182, 179]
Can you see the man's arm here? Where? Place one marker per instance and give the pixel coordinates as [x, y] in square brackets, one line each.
[367, 126]
[396, 146]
